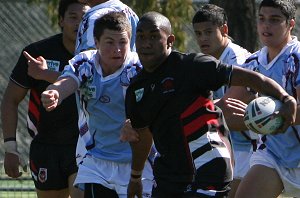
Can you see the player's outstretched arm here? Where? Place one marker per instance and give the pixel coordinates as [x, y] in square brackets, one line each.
[269, 87]
[57, 92]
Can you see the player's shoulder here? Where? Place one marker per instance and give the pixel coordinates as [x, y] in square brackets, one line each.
[51, 42]
[236, 54]
[84, 56]
[51, 45]
[48, 41]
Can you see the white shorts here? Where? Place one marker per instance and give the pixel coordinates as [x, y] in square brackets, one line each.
[242, 163]
[112, 175]
[80, 150]
[290, 177]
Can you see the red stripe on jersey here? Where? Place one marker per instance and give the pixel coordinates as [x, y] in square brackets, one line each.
[198, 123]
[199, 103]
[33, 102]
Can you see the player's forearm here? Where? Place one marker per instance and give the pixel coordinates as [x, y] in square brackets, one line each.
[50, 76]
[9, 118]
[258, 82]
[65, 87]
[141, 149]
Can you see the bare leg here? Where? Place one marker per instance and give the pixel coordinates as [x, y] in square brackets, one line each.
[234, 185]
[74, 192]
[260, 182]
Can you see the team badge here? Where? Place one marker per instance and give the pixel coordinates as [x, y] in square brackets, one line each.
[42, 175]
[104, 99]
[53, 65]
[139, 94]
[168, 85]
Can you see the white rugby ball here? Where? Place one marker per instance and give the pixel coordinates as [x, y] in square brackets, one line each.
[258, 113]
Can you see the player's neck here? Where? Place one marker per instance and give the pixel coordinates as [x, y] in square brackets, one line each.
[220, 51]
[69, 45]
[273, 51]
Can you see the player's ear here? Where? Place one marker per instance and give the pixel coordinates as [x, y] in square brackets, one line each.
[170, 40]
[97, 42]
[60, 22]
[224, 29]
[292, 23]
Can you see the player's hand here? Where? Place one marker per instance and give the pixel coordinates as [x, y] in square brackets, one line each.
[128, 134]
[50, 99]
[12, 161]
[288, 112]
[36, 67]
[237, 107]
[135, 189]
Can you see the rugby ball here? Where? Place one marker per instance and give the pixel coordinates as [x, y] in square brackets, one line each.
[258, 115]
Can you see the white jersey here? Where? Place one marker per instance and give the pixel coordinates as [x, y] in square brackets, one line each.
[102, 104]
[233, 54]
[85, 36]
[284, 69]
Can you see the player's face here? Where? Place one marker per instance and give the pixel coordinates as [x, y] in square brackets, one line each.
[273, 28]
[71, 20]
[113, 47]
[210, 38]
[151, 44]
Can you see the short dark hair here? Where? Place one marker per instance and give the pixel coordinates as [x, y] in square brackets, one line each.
[159, 19]
[63, 6]
[211, 13]
[112, 21]
[287, 7]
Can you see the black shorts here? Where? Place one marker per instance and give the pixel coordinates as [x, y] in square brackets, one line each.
[51, 165]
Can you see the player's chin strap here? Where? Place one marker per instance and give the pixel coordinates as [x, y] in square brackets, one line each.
[10, 146]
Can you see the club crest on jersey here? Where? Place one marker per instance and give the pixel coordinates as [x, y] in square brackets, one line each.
[168, 85]
[42, 175]
[53, 65]
[139, 94]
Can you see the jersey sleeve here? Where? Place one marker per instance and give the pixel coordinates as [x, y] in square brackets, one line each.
[209, 73]
[80, 68]
[19, 73]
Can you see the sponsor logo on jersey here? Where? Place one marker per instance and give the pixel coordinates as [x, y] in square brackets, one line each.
[91, 92]
[139, 94]
[42, 175]
[53, 65]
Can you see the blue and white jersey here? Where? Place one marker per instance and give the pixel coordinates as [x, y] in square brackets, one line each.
[85, 36]
[284, 69]
[234, 54]
[102, 104]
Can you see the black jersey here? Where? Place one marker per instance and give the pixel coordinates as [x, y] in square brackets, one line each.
[60, 125]
[188, 131]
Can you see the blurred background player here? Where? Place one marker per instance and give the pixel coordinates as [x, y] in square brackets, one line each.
[211, 30]
[52, 150]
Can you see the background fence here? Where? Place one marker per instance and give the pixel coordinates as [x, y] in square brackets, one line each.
[22, 187]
